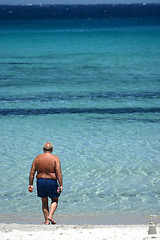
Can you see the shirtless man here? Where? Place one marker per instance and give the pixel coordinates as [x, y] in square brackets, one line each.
[48, 170]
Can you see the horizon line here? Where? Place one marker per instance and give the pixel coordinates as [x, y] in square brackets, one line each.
[75, 4]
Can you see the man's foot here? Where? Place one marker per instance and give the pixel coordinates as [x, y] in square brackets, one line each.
[51, 220]
[46, 223]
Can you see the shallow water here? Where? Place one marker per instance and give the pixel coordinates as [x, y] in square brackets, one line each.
[91, 88]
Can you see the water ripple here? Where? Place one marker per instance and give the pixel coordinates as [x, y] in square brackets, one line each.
[35, 111]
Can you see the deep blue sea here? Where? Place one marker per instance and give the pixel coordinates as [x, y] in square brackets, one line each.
[92, 87]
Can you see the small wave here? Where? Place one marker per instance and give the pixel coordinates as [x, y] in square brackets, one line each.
[92, 96]
[34, 111]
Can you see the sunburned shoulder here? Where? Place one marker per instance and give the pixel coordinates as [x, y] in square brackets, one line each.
[55, 157]
[40, 155]
[44, 154]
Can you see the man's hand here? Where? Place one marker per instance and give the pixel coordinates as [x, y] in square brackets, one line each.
[30, 188]
[60, 189]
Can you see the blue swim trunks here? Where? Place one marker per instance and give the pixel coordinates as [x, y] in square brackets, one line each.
[47, 188]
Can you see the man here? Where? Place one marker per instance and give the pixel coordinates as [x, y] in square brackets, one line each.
[48, 170]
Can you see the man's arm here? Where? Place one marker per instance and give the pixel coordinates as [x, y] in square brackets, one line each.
[59, 175]
[31, 176]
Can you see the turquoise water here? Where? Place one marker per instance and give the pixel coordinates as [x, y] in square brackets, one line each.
[92, 88]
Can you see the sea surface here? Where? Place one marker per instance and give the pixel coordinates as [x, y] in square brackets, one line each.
[92, 87]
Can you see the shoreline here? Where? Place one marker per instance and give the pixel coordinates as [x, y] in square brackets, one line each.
[77, 227]
[77, 219]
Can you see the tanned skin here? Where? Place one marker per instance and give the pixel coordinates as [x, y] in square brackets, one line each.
[48, 166]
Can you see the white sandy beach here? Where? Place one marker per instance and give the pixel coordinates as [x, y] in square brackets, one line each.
[76, 232]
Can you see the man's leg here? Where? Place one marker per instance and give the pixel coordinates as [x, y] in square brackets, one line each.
[53, 207]
[45, 209]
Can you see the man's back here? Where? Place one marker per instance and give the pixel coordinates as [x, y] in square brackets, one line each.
[45, 165]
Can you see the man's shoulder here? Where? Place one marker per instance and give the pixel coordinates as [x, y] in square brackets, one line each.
[55, 156]
[51, 156]
[39, 156]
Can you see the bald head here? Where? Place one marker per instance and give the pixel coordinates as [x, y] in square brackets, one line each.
[48, 147]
